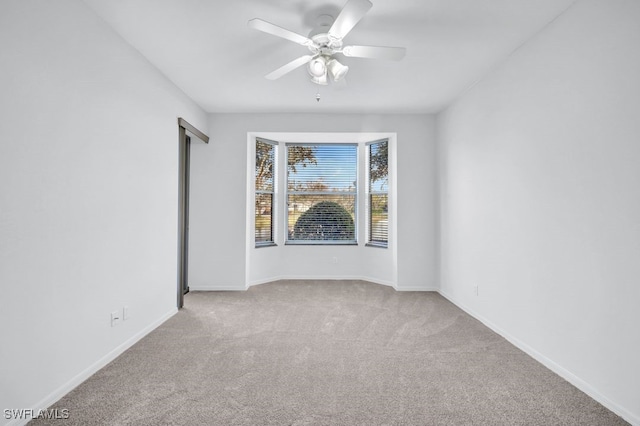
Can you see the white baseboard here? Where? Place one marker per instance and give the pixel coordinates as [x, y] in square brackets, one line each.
[266, 280]
[550, 364]
[285, 277]
[417, 288]
[322, 277]
[378, 281]
[217, 287]
[354, 278]
[306, 277]
[92, 369]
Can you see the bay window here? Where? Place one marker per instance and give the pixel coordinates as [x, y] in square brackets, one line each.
[331, 193]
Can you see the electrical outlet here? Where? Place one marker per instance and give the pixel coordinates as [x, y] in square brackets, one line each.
[125, 313]
[334, 260]
[475, 290]
[115, 318]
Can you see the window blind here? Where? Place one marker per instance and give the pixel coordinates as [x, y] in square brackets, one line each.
[321, 193]
[264, 191]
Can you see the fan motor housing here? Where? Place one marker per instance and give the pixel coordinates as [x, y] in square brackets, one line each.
[325, 44]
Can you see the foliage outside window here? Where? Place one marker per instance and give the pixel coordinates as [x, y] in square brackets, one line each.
[321, 193]
[264, 191]
[378, 202]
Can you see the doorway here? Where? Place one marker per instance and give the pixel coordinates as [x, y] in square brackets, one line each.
[186, 133]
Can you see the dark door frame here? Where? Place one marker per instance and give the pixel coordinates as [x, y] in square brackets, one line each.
[186, 131]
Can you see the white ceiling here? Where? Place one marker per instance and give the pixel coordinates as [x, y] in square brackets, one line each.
[206, 49]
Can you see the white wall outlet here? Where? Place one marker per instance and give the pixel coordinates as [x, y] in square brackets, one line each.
[334, 260]
[475, 290]
[115, 318]
[125, 313]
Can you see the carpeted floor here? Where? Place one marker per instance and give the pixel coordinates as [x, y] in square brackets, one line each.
[326, 353]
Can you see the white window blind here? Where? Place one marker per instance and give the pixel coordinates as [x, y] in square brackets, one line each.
[264, 191]
[321, 193]
[378, 188]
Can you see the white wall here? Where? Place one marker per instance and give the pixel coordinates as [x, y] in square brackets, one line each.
[218, 204]
[540, 199]
[88, 218]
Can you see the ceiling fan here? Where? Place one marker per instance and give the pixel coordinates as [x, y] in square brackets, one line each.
[325, 41]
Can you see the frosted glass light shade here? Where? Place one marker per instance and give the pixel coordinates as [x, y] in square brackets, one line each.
[322, 80]
[337, 70]
[318, 67]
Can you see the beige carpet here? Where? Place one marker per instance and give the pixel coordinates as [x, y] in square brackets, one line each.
[326, 353]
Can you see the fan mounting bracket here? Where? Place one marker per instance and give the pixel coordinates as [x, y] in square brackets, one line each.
[325, 45]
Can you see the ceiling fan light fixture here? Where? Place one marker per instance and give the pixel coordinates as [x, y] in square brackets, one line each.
[337, 70]
[318, 67]
[322, 80]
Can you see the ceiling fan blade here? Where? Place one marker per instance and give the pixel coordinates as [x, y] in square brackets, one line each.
[289, 67]
[275, 30]
[375, 52]
[350, 15]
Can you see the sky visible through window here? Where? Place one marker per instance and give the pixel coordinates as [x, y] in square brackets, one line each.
[382, 183]
[336, 167]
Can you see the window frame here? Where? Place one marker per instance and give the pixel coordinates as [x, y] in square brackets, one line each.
[355, 194]
[369, 193]
[273, 192]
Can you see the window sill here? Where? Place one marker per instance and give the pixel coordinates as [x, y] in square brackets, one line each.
[269, 244]
[378, 245]
[320, 243]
